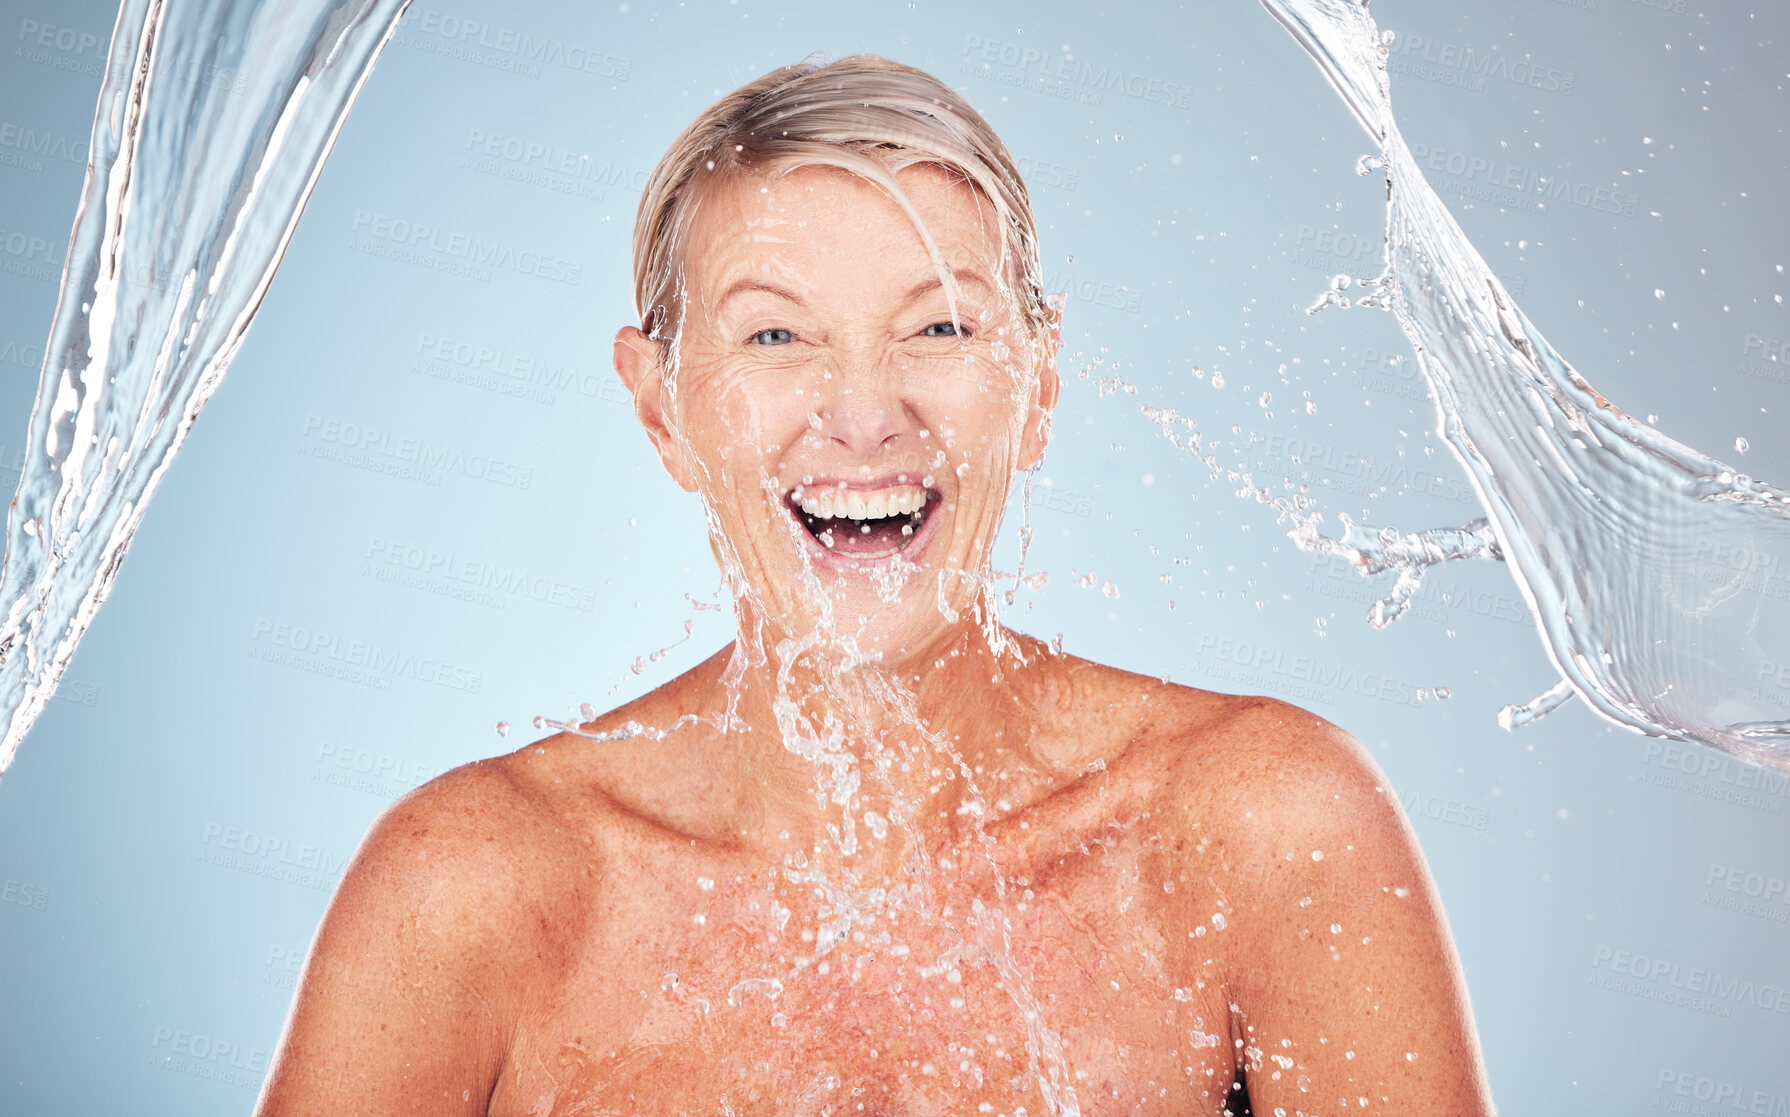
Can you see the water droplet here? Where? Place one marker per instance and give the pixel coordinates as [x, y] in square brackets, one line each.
[767, 987]
[1218, 921]
[1742, 445]
[503, 729]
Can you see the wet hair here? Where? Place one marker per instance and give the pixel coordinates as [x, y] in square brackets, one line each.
[863, 113]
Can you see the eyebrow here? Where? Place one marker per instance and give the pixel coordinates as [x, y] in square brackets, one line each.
[924, 287]
[741, 286]
[933, 283]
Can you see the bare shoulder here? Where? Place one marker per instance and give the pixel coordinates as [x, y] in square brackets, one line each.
[407, 989]
[1229, 749]
[1273, 778]
[450, 876]
[1330, 922]
[475, 826]
[1260, 776]
[1283, 756]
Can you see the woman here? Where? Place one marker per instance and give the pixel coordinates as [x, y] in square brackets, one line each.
[880, 854]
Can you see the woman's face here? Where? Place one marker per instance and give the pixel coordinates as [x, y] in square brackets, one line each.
[853, 447]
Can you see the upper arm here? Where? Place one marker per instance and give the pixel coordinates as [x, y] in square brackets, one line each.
[400, 1006]
[1351, 988]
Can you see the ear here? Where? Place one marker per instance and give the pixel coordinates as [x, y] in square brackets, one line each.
[1037, 428]
[638, 361]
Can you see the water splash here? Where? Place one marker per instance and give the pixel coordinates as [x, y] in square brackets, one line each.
[222, 111]
[1658, 576]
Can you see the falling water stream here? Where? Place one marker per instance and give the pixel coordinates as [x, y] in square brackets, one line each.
[1659, 577]
[213, 124]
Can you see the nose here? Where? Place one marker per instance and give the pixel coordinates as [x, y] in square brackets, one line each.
[864, 411]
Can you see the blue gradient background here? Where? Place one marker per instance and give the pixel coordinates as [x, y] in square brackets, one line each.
[1185, 235]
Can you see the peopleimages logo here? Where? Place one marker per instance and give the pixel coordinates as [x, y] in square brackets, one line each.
[25, 355]
[1747, 893]
[405, 456]
[1764, 357]
[1448, 606]
[1468, 67]
[361, 661]
[463, 577]
[1712, 775]
[504, 48]
[1367, 476]
[25, 894]
[1686, 986]
[24, 146]
[521, 376]
[414, 242]
[207, 1056]
[1722, 1097]
[1313, 677]
[1482, 178]
[32, 257]
[547, 165]
[269, 857]
[61, 48]
[1061, 74]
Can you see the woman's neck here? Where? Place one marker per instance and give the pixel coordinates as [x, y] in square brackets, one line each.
[916, 749]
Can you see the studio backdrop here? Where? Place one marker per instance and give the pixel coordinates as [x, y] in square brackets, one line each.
[419, 513]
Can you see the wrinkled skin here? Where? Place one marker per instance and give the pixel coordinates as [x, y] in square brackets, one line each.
[881, 855]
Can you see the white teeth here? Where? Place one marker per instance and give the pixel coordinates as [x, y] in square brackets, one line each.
[834, 503]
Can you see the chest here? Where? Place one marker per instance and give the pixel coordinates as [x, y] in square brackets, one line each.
[1063, 985]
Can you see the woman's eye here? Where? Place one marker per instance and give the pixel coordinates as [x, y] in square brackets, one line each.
[773, 337]
[943, 329]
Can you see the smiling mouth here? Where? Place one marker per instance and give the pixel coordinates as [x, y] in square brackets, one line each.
[862, 523]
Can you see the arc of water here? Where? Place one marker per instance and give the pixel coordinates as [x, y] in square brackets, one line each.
[1614, 533]
[214, 121]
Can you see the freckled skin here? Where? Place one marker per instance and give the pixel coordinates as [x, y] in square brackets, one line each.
[1066, 887]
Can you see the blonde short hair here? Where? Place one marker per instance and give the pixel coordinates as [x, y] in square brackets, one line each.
[862, 113]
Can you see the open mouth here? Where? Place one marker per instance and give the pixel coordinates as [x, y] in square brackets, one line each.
[862, 523]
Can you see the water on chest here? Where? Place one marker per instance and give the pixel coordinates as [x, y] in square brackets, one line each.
[793, 1002]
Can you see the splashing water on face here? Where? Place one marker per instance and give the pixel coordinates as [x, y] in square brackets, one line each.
[1659, 577]
[193, 190]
